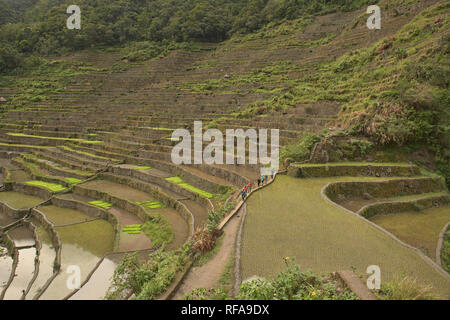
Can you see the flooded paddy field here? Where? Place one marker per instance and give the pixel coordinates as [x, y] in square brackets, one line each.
[100, 281]
[47, 257]
[6, 263]
[63, 216]
[83, 245]
[18, 200]
[23, 274]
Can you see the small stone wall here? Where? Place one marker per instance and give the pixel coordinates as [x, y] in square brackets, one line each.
[120, 203]
[336, 170]
[32, 190]
[382, 189]
[11, 212]
[375, 209]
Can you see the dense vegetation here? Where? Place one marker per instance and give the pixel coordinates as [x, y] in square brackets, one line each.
[39, 26]
[289, 284]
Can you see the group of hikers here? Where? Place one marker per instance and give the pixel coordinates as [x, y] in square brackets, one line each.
[264, 179]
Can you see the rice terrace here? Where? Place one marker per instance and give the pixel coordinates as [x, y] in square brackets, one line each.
[335, 184]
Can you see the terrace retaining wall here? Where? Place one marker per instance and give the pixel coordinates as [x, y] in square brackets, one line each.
[32, 190]
[335, 170]
[382, 189]
[375, 209]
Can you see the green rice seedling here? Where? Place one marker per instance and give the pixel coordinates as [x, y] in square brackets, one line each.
[178, 181]
[53, 187]
[72, 180]
[101, 204]
[143, 168]
[151, 204]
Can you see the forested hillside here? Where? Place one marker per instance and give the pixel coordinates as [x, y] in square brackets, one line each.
[119, 22]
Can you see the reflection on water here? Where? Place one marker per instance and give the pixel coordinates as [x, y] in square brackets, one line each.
[83, 245]
[47, 256]
[24, 274]
[5, 267]
[99, 283]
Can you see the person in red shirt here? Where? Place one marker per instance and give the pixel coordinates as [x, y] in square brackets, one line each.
[250, 187]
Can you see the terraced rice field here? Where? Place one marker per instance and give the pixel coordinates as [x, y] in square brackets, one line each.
[290, 218]
[420, 228]
[103, 142]
[18, 200]
[83, 245]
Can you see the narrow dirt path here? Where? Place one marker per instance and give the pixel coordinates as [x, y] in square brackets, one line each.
[208, 275]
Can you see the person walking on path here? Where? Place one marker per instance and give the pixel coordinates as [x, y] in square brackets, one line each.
[259, 182]
[249, 187]
[244, 194]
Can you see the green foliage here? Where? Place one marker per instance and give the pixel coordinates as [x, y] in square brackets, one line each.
[293, 284]
[301, 150]
[147, 29]
[146, 280]
[405, 288]
[159, 230]
[53, 187]
[178, 181]
[101, 204]
[289, 284]
[216, 216]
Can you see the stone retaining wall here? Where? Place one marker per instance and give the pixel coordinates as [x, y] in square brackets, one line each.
[42, 177]
[91, 211]
[32, 190]
[372, 210]
[382, 189]
[120, 203]
[11, 212]
[333, 170]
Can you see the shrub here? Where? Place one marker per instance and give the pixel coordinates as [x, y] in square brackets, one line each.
[406, 288]
[301, 150]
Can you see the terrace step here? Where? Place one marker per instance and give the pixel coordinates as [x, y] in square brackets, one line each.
[55, 168]
[63, 160]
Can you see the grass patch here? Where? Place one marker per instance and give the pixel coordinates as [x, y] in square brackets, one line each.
[142, 168]
[88, 154]
[178, 181]
[132, 229]
[159, 230]
[53, 187]
[53, 138]
[101, 204]
[73, 180]
[151, 204]
[406, 288]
